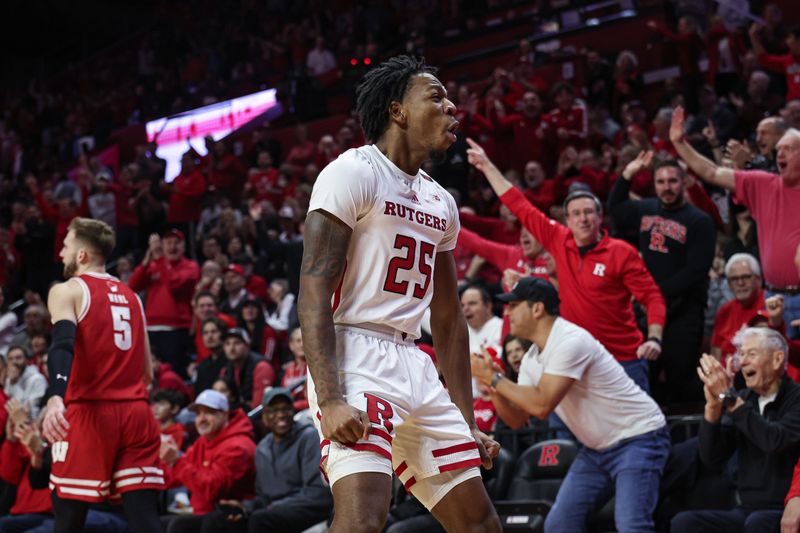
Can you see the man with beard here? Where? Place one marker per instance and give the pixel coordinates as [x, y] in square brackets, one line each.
[379, 240]
[540, 191]
[104, 438]
[208, 370]
[676, 241]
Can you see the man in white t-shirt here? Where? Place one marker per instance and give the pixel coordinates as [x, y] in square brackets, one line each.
[624, 434]
[378, 252]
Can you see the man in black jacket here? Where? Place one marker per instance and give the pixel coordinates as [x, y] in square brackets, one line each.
[290, 494]
[761, 424]
[251, 373]
[676, 241]
[208, 370]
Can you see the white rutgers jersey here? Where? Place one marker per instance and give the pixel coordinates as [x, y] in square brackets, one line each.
[399, 222]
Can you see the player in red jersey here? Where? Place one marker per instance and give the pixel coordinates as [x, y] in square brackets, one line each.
[105, 441]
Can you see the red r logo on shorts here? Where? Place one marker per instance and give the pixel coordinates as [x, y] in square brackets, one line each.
[379, 411]
[549, 455]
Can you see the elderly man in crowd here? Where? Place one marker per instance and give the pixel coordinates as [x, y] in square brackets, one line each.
[168, 279]
[743, 273]
[772, 200]
[761, 425]
[768, 133]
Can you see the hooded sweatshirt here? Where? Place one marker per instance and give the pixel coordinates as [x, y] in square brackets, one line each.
[15, 463]
[219, 469]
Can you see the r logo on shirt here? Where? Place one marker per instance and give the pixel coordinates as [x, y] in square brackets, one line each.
[599, 270]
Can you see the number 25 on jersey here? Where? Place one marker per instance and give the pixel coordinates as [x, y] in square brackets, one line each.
[408, 262]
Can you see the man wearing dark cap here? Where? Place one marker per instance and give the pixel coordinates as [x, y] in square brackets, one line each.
[624, 435]
[251, 372]
[290, 493]
[168, 278]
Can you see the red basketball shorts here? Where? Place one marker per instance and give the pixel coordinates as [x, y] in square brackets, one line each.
[111, 448]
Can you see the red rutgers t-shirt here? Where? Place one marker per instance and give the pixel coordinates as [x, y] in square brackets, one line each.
[109, 345]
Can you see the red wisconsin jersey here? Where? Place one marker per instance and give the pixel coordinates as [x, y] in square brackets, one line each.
[109, 345]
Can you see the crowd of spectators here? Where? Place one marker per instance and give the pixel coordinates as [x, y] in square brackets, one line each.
[215, 253]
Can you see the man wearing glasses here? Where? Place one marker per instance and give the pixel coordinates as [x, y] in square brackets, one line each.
[743, 273]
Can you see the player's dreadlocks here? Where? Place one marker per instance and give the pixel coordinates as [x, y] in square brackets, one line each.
[380, 87]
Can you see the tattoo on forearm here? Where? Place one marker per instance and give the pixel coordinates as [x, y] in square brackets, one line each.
[325, 246]
[326, 266]
[325, 249]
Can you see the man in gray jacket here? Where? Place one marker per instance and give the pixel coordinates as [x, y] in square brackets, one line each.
[290, 493]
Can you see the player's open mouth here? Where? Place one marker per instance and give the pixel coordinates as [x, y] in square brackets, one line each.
[451, 130]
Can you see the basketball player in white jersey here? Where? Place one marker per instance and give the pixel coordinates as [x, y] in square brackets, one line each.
[378, 252]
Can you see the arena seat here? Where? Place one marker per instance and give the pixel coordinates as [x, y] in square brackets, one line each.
[498, 478]
[538, 474]
[540, 470]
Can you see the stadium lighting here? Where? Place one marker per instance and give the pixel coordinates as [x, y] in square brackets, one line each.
[175, 134]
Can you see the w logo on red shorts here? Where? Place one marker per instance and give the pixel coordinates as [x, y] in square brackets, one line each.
[59, 451]
[549, 456]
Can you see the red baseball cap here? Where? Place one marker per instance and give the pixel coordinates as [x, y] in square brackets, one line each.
[233, 267]
[174, 233]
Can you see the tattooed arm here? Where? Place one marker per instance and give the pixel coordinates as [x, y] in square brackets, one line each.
[326, 239]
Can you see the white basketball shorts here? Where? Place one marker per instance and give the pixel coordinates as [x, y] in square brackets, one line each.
[416, 430]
